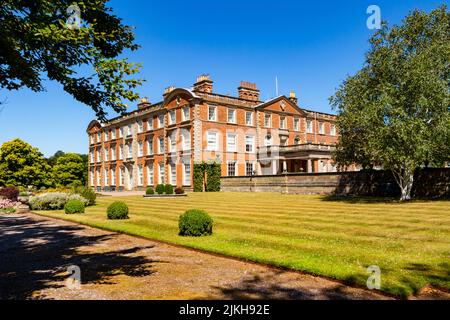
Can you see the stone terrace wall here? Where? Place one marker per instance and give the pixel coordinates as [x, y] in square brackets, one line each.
[428, 183]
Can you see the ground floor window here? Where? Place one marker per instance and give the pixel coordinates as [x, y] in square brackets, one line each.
[173, 174]
[140, 175]
[249, 168]
[106, 178]
[150, 174]
[161, 173]
[231, 169]
[92, 178]
[99, 182]
[187, 174]
[122, 176]
[113, 177]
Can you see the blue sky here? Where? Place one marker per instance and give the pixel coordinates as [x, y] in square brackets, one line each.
[311, 46]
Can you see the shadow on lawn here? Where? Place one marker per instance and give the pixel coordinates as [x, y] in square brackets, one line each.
[269, 287]
[34, 255]
[359, 200]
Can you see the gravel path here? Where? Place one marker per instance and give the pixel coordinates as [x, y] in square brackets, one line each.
[35, 252]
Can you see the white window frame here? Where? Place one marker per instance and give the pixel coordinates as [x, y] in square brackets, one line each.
[99, 181]
[282, 122]
[214, 118]
[113, 133]
[252, 144]
[172, 144]
[140, 175]
[186, 141]
[129, 151]
[247, 122]
[187, 174]
[150, 124]
[332, 129]
[161, 145]
[267, 120]
[173, 174]
[99, 137]
[161, 173]
[92, 178]
[213, 146]
[309, 126]
[113, 154]
[232, 112]
[122, 176]
[186, 115]
[172, 117]
[149, 147]
[106, 154]
[106, 177]
[113, 176]
[150, 176]
[247, 163]
[140, 126]
[321, 128]
[161, 121]
[121, 132]
[296, 124]
[228, 168]
[231, 142]
[129, 130]
[106, 135]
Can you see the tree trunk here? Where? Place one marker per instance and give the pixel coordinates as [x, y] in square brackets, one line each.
[405, 181]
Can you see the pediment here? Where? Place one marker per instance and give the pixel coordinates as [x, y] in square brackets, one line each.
[281, 105]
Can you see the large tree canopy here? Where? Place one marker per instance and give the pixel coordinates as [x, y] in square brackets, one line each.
[69, 168]
[38, 39]
[22, 165]
[395, 111]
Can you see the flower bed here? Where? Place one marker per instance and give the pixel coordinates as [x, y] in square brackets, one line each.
[8, 206]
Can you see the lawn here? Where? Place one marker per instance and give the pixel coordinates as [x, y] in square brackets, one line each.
[410, 242]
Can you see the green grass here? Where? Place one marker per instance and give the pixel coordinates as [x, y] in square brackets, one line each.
[410, 242]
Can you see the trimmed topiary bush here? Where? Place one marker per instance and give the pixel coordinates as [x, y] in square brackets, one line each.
[168, 189]
[160, 188]
[179, 191]
[195, 223]
[117, 211]
[150, 191]
[74, 206]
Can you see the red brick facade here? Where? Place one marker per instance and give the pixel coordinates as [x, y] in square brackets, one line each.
[159, 143]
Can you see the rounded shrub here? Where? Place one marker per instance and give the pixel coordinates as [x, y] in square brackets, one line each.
[10, 193]
[150, 191]
[74, 206]
[117, 211]
[195, 223]
[179, 191]
[160, 188]
[168, 189]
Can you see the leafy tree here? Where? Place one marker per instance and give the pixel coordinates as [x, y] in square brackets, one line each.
[39, 40]
[395, 111]
[21, 165]
[52, 160]
[69, 169]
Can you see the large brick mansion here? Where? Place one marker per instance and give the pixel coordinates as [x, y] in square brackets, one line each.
[160, 142]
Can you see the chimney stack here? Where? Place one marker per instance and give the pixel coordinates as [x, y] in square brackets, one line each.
[144, 103]
[248, 91]
[292, 97]
[203, 84]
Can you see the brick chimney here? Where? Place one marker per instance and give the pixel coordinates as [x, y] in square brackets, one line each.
[293, 97]
[248, 91]
[203, 84]
[144, 103]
